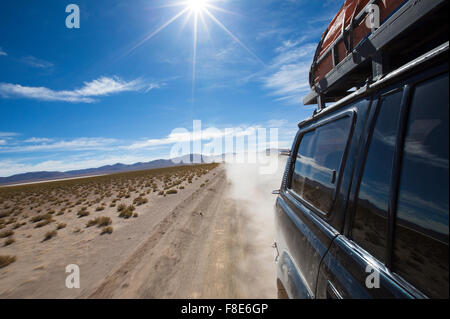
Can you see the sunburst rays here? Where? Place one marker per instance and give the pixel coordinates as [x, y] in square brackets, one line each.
[196, 10]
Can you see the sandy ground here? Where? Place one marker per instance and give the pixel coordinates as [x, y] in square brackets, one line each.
[197, 244]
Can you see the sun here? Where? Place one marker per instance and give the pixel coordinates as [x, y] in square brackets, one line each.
[197, 11]
[197, 5]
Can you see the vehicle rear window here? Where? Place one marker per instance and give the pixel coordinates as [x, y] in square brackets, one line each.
[370, 223]
[421, 236]
[318, 163]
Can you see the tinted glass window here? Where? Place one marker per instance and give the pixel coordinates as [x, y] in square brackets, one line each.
[370, 223]
[318, 162]
[421, 238]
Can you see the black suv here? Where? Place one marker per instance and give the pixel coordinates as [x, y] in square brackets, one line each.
[363, 210]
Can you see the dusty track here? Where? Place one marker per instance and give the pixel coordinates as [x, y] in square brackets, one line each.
[202, 249]
[200, 243]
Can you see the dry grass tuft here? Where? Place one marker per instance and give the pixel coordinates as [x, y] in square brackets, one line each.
[6, 260]
[99, 221]
[83, 213]
[6, 233]
[140, 201]
[43, 223]
[61, 226]
[127, 212]
[50, 234]
[9, 241]
[106, 230]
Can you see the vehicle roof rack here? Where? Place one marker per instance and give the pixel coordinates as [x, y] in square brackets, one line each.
[413, 28]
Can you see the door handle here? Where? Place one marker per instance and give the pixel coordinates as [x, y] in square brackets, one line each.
[332, 292]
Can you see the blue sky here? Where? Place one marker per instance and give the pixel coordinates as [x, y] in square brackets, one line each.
[97, 95]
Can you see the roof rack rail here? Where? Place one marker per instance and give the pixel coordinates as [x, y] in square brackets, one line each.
[432, 54]
[410, 28]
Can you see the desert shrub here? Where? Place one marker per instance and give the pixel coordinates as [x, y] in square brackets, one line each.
[135, 215]
[127, 212]
[38, 218]
[121, 207]
[51, 211]
[76, 230]
[99, 221]
[43, 223]
[103, 221]
[50, 234]
[9, 241]
[61, 226]
[18, 225]
[91, 223]
[4, 214]
[161, 193]
[106, 230]
[6, 233]
[140, 201]
[83, 213]
[6, 260]
[99, 208]
[171, 191]
[202, 185]
[10, 221]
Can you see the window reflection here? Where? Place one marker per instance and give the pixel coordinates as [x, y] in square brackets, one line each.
[370, 223]
[421, 242]
[318, 162]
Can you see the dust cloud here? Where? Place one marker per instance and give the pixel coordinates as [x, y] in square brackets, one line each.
[251, 191]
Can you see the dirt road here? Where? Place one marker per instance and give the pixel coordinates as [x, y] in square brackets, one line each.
[202, 249]
[197, 244]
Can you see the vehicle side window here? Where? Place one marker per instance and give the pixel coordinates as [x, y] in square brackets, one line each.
[370, 223]
[421, 234]
[318, 163]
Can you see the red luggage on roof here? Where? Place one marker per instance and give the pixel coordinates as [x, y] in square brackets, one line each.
[339, 40]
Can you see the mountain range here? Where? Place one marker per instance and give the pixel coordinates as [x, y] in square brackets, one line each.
[103, 170]
[116, 168]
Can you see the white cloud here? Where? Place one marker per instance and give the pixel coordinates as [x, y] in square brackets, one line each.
[36, 63]
[103, 86]
[8, 134]
[3, 52]
[2, 142]
[289, 81]
[78, 144]
[183, 135]
[37, 140]
[289, 71]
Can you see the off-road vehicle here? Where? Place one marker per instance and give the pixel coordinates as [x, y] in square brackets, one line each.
[363, 208]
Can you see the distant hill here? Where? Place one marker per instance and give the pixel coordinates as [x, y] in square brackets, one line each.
[108, 169]
[111, 169]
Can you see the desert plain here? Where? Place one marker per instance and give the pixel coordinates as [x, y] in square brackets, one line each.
[165, 233]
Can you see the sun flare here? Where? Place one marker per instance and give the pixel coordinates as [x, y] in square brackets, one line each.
[197, 11]
[197, 5]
